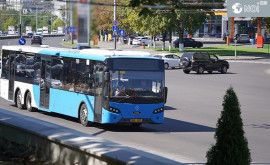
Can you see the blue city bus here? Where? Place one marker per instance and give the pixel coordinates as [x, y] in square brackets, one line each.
[85, 83]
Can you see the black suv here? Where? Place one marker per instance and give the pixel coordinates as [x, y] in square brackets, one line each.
[203, 61]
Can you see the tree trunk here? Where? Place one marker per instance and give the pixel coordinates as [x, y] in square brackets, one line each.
[154, 42]
[181, 43]
[170, 40]
[163, 40]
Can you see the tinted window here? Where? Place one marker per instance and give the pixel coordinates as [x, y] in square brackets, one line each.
[84, 80]
[69, 74]
[57, 73]
[20, 63]
[205, 56]
[5, 64]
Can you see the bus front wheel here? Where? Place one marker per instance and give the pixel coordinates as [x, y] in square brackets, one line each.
[84, 115]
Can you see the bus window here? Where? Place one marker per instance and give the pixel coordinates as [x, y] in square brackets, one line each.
[56, 73]
[81, 78]
[68, 74]
[5, 64]
[20, 67]
[37, 68]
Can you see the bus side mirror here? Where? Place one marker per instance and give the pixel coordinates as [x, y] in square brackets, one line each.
[106, 76]
[165, 94]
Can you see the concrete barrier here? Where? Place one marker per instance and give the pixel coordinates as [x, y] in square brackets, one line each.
[62, 145]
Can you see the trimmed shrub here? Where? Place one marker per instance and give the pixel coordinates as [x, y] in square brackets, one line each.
[231, 146]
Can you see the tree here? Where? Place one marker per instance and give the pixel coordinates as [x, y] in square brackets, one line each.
[58, 23]
[231, 145]
[181, 12]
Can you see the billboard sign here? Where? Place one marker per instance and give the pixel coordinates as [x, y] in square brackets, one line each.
[248, 8]
[11, 30]
[45, 30]
[28, 29]
[83, 20]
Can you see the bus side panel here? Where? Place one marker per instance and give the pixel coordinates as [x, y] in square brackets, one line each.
[36, 93]
[24, 87]
[128, 109]
[67, 103]
[4, 88]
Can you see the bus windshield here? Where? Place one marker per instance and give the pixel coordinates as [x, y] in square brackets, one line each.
[137, 84]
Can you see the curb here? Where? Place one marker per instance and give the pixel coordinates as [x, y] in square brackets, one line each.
[62, 145]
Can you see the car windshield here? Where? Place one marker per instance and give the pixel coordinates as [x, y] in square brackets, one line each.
[146, 84]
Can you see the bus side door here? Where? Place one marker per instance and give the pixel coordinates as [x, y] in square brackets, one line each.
[45, 82]
[12, 55]
[98, 73]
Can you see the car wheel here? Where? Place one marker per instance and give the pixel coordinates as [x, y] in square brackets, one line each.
[166, 66]
[18, 101]
[28, 102]
[210, 72]
[200, 69]
[84, 115]
[186, 71]
[224, 69]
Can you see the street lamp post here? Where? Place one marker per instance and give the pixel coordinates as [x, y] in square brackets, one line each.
[114, 20]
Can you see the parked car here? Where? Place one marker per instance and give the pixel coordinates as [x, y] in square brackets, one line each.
[188, 42]
[203, 61]
[36, 39]
[170, 60]
[141, 40]
[243, 38]
[54, 32]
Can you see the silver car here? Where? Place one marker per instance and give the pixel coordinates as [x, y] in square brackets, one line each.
[170, 60]
[243, 38]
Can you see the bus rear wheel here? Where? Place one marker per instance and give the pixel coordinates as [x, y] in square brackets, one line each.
[84, 115]
[18, 101]
[28, 102]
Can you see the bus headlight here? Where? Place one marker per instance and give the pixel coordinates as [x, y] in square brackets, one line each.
[114, 110]
[158, 110]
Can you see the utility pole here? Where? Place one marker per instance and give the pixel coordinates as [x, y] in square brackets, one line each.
[20, 19]
[36, 17]
[114, 18]
[51, 17]
[71, 21]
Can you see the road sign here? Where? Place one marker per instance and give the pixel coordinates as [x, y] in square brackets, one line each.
[115, 28]
[22, 41]
[121, 32]
[114, 34]
[115, 23]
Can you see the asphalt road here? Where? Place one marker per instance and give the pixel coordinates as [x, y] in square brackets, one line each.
[52, 41]
[193, 108]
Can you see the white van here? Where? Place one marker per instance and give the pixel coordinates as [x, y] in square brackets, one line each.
[39, 31]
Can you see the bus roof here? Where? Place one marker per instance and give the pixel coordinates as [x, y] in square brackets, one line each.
[96, 54]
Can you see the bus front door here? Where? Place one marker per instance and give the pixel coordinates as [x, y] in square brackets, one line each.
[12, 56]
[98, 95]
[45, 83]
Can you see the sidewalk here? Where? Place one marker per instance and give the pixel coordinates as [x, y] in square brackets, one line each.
[110, 45]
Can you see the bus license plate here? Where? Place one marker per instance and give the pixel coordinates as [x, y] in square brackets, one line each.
[136, 120]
